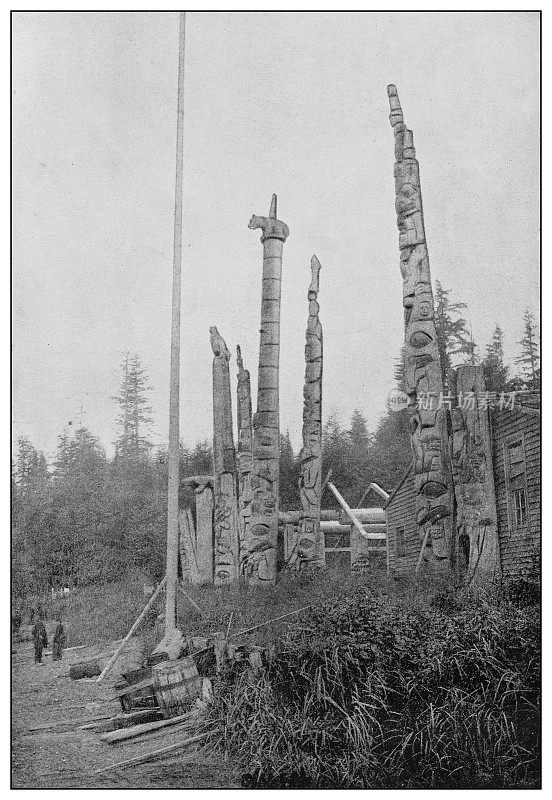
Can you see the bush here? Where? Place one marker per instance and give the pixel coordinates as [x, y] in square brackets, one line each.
[379, 691]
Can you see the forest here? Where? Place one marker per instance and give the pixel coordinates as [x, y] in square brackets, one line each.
[87, 519]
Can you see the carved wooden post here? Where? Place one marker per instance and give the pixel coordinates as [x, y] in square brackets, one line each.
[423, 370]
[245, 459]
[224, 460]
[311, 542]
[261, 559]
[203, 488]
[472, 470]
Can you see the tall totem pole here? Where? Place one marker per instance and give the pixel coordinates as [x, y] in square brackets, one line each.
[423, 380]
[226, 529]
[245, 459]
[261, 557]
[310, 549]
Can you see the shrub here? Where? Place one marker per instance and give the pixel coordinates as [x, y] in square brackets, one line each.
[376, 691]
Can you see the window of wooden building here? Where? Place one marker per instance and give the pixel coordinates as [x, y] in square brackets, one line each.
[516, 483]
[400, 542]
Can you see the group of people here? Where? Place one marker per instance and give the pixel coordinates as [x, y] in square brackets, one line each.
[40, 639]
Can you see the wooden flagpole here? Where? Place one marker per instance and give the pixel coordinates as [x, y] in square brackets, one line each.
[174, 432]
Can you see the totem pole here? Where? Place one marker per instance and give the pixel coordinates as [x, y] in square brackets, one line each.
[203, 489]
[261, 557]
[310, 550]
[423, 380]
[226, 528]
[245, 459]
[472, 470]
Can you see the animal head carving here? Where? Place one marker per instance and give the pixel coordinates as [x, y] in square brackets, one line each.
[218, 344]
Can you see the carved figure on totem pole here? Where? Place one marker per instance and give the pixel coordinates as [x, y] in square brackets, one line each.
[245, 459]
[310, 546]
[472, 471]
[225, 523]
[423, 370]
[261, 558]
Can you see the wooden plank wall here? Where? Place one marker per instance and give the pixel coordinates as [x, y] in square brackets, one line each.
[401, 512]
[519, 547]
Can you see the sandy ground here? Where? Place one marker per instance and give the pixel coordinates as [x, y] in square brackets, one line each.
[50, 751]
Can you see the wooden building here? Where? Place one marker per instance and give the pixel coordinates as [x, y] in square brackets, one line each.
[516, 451]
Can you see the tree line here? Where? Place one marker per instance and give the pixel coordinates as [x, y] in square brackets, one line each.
[86, 518]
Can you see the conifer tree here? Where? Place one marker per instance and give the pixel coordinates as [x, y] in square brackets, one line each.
[529, 359]
[454, 339]
[133, 444]
[495, 370]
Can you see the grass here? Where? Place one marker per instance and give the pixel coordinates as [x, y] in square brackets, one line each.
[380, 684]
[393, 689]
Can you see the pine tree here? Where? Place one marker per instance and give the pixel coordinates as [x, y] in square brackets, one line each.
[133, 444]
[399, 370]
[529, 359]
[361, 457]
[495, 370]
[289, 475]
[454, 339]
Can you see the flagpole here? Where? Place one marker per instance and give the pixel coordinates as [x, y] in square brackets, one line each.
[174, 433]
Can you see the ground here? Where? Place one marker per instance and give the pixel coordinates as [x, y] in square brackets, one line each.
[50, 751]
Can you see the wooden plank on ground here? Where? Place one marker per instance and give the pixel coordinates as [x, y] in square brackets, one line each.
[153, 753]
[146, 727]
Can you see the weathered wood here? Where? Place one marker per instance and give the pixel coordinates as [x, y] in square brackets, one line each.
[176, 684]
[171, 571]
[423, 370]
[370, 531]
[310, 546]
[204, 532]
[373, 487]
[366, 516]
[472, 469]
[153, 753]
[422, 550]
[265, 475]
[190, 570]
[122, 734]
[134, 628]
[352, 516]
[245, 459]
[226, 526]
[295, 517]
[133, 688]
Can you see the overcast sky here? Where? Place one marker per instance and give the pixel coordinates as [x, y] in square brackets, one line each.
[292, 103]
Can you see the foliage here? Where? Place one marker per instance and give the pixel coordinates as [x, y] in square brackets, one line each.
[495, 370]
[453, 335]
[529, 359]
[132, 444]
[389, 690]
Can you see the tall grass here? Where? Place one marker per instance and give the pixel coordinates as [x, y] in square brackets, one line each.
[375, 690]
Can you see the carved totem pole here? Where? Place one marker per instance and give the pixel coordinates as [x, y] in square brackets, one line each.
[226, 528]
[261, 557]
[245, 459]
[423, 372]
[472, 471]
[310, 548]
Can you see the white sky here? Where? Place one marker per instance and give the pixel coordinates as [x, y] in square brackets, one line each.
[292, 103]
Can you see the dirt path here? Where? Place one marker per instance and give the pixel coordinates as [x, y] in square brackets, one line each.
[66, 757]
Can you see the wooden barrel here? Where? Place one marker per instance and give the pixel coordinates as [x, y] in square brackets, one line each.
[176, 685]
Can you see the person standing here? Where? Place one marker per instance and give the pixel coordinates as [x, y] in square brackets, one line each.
[40, 639]
[59, 642]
